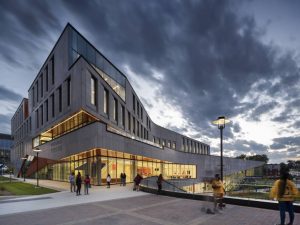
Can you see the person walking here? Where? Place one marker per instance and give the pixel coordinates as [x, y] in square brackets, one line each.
[78, 183]
[284, 191]
[108, 180]
[87, 183]
[121, 179]
[159, 183]
[137, 180]
[218, 192]
[72, 182]
[124, 179]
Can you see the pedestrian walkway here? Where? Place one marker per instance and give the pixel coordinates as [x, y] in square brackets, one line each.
[64, 197]
[143, 210]
[122, 206]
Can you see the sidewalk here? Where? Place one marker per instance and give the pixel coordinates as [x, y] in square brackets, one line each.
[64, 197]
[143, 210]
[122, 206]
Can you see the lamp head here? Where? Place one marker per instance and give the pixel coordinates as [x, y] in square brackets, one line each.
[37, 150]
[221, 121]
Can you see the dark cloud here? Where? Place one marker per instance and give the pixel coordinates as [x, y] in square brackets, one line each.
[293, 149]
[236, 128]
[296, 125]
[285, 142]
[210, 56]
[8, 95]
[25, 27]
[261, 109]
[244, 146]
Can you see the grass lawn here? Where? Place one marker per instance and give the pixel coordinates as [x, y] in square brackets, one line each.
[20, 188]
[4, 178]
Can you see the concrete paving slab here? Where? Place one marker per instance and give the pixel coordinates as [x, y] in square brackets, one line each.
[122, 206]
[65, 198]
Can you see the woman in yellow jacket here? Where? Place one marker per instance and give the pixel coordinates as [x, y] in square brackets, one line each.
[284, 191]
[218, 192]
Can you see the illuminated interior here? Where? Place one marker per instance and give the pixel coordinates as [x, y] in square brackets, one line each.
[98, 163]
[74, 122]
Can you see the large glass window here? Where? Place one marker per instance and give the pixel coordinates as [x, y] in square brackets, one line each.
[100, 162]
[79, 46]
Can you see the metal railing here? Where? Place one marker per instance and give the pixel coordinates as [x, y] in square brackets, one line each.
[151, 182]
[258, 189]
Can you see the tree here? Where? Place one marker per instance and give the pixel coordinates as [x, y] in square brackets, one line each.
[242, 156]
[263, 158]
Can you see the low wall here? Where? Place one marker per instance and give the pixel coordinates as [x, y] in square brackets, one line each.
[257, 203]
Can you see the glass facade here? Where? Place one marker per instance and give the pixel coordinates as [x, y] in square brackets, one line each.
[98, 163]
[74, 122]
[79, 46]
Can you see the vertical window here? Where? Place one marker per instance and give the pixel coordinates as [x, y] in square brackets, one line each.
[142, 114]
[47, 78]
[42, 85]
[133, 125]
[138, 128]
[138, 108]
[123, 115]
[115, 111]
[93, 90]
[133, 102]
[37, 118]
[52, 66]
[174, 145]
[69, 91]
[129, 121]
[53, 106]
[60, 99]
[37, 90]
[33, 96]
[183, 144]
[42, 115]
[47, 114]
[106, 101]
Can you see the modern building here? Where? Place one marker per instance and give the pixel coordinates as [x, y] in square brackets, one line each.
[6, 143]
[84, 116]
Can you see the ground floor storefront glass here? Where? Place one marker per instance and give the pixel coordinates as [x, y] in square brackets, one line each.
[98, 163]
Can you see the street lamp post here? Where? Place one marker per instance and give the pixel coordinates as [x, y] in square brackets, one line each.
[23, 169]
[37, 165]
[221, 121]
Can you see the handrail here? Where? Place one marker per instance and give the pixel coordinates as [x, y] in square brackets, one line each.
[165, 181]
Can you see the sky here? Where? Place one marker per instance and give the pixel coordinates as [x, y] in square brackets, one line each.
[189, 61]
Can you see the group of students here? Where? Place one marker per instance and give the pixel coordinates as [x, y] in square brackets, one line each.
[75, 183]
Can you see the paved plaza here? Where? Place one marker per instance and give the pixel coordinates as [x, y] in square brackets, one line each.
[121, 206]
